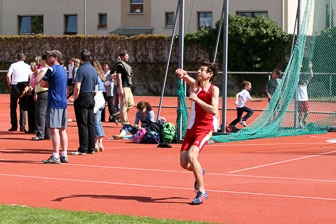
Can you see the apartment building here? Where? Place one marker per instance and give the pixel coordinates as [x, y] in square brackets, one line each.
[129, 17]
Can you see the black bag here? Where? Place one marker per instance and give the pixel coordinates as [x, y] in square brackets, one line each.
[151, 126]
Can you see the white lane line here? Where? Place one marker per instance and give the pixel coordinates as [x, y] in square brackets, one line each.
[268, 144]
[167, 187]
[280, 162]
[188, 172]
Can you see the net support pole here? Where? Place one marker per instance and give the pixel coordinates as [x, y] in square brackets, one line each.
[298, 33]
[84, 18]
[180, 60]
[219, 33]
[168, 60]
[225, 57]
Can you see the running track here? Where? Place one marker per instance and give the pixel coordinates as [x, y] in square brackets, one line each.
[277, 180]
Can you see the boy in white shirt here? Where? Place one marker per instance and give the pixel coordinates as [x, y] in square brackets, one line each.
[241, 98]
[302, 96]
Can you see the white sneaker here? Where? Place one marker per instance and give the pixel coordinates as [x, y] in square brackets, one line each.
[243, 123]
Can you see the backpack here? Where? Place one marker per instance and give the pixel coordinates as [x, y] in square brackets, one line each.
[168, 132]
[151, 137]
[139, 136]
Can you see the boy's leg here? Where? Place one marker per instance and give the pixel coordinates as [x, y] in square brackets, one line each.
[196, 166]
[249, 112]
[239, 115]
[184, 162]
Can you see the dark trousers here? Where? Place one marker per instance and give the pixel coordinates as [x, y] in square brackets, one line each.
[14, 96]
[40, 115]
[240, 114]
[109, 100]
[84, 105]
[115, 99]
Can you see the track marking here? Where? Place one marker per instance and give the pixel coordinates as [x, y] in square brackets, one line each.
[280, 162]
[166, 187]
[331, 140]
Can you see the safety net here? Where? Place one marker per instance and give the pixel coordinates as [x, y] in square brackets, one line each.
[304, 101]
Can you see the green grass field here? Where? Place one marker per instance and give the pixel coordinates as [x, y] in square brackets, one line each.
[20, 214]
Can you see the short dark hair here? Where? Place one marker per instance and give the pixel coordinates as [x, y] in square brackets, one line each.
[85, 55]
[246, 83]
[123, 53]
[212, 67]
[277, 72]
[20, 56]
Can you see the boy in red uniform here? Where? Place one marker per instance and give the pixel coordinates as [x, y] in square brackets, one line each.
[203, 121]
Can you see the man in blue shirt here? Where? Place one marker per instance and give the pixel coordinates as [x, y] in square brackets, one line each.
[86, 84]
[56, 80]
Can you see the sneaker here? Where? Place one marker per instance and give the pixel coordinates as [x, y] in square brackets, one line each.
[118, 137]
[243, 123]
[64, 159]
[78, 153]
[196, 184]
[200, 197]
[52, 160]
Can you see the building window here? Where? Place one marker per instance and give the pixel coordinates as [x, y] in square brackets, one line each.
[102, 20]
[30, 24]
[136, 6]
[70, 24]
[204, 20]
[253, 14]
[170, 19]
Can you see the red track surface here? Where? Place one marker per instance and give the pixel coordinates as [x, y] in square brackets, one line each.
[277, 180]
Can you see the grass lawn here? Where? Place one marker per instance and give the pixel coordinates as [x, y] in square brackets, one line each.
[20, 214]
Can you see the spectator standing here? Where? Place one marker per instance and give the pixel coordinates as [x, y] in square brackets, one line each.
[99, 106]
[86, 84]
[108, 93]
[273, 83]
[56, 80]
[124, 79]
[18, 73]
[70, 77]
[41, 96]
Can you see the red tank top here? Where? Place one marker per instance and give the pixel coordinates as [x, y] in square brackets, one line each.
[200, 118]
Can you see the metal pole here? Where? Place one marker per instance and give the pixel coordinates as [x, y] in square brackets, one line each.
[168, 61]
[298, 33]
[294, 32]
[180, 60]
[84, 23]
[225, 57]
[330, 13]
[219, 33]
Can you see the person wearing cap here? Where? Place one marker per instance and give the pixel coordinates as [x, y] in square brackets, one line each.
[56, 79]
[86, 84]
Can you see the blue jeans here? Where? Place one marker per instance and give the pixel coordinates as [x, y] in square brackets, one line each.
[129, 129]
[240, 114]
[99, 131]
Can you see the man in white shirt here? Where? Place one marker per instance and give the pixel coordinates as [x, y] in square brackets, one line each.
[18, 75]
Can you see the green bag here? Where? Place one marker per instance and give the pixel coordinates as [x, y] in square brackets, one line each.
[168, 132]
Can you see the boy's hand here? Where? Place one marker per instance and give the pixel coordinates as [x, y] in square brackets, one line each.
[236, 102]
[193, 97]
[180, 72]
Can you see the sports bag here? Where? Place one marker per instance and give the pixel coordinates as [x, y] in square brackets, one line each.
[168, 132]
[151, 137]
[138, 137]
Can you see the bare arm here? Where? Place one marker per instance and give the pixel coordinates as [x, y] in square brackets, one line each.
[311, 72]
[268, 94]
[44, 84]
[119, 84]
[77, 89]
[210, 108]
[189, 80]
[237, 98]
[255, 100]
[39, 76]
[9, 78]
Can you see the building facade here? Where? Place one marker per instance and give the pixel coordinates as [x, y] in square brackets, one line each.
[129, 17]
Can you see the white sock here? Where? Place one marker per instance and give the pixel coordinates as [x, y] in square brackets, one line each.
[55, 155]
[64, 153]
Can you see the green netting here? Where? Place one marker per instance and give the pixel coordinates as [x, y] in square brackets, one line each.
[316, 44]
[182, 111]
